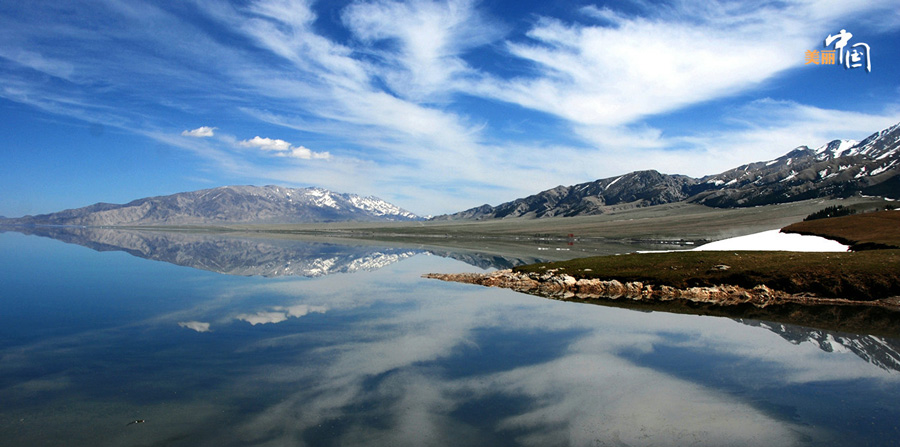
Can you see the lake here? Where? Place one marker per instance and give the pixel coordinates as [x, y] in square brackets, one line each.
[124, 338]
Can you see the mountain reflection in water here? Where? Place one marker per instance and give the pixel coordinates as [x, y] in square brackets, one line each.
[91, 342]
[248, 256]
[880, 351]
[231, 255]
[243, 255]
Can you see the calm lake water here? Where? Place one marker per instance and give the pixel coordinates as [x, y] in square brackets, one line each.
[219, 341]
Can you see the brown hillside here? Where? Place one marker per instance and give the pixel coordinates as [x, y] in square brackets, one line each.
[867, 231]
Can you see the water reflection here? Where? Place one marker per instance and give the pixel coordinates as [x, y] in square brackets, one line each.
[230, 254]
[879, 351]
[278, 314]
[244, 255]
[385, 357]
[198, 326]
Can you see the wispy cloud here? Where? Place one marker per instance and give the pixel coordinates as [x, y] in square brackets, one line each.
[200, 132]
[427, 40]
[686, 53]
[409, 100]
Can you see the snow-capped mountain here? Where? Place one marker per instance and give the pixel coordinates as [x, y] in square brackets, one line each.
[230, 204]
[839, 168]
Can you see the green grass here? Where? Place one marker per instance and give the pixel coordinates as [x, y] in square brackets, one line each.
[855, 275]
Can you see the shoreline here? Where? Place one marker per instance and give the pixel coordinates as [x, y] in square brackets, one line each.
[877, 317]
[552, 284]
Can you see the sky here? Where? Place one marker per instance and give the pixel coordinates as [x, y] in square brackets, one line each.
[435, 106]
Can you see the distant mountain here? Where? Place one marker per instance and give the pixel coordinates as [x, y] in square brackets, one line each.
[644, 187]
[840, 168]
[229, 204]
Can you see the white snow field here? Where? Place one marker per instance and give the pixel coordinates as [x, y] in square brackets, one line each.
[774, 240]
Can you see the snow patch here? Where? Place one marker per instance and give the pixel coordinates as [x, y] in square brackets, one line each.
[613, 182]
[882, 169]
[792, 176]
[775, 240]
[842, 146]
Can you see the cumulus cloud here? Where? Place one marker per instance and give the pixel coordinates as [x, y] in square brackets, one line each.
[282, 148]
[263, 318]
[200, 132]
[280, 313]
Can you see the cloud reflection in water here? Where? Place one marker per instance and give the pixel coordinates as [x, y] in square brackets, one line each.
[386, 357]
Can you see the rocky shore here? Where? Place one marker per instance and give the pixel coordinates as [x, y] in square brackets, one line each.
[553, 284]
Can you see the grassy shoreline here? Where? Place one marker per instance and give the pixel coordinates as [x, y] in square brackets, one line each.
[859, 276]
[870, 273]
[857, 291]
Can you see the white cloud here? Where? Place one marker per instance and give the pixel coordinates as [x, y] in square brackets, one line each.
[198, 326]
[605, 80]
[429, 37]
[593, 75]
[263, 317]
[396, 93]
[280, 313]
[604, 14]
[300, 310]
[601, 81]
[200, 132]
[282, 148]
[267, 144]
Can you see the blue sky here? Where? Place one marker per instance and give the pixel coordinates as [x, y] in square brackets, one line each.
[436, 106]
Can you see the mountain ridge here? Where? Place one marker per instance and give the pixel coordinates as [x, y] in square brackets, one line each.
[839, 168]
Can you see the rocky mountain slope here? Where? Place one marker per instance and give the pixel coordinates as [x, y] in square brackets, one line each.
[229, 204]
[647, 187]
[840, 168]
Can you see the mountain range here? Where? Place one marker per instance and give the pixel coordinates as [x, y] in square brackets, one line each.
[840, 168]
[229, 204]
